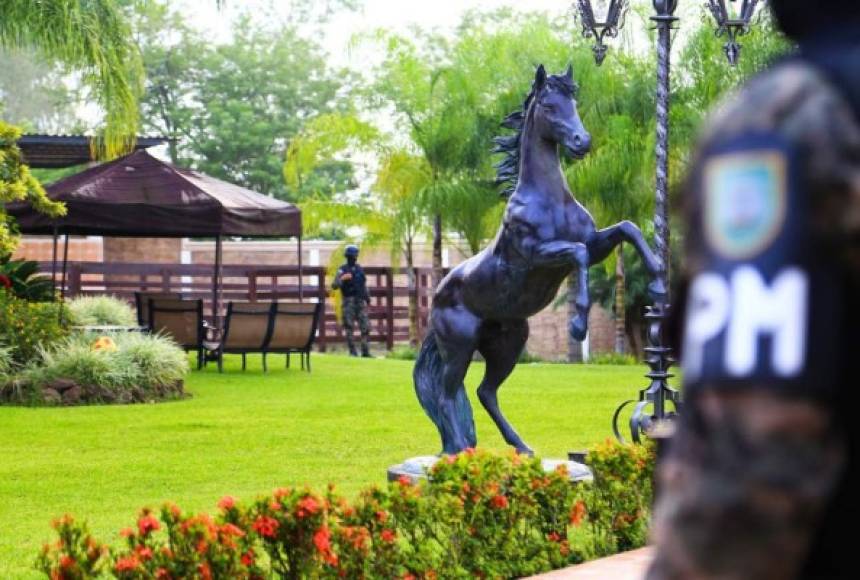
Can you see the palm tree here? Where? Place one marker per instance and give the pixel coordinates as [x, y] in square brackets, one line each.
[92, 37]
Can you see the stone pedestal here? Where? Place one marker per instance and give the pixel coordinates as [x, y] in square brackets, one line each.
[416, 468]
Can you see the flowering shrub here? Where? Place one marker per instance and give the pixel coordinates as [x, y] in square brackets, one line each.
[620, 499]
[25, 326]
[479, 515]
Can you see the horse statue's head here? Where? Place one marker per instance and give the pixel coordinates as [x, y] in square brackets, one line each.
[554, 114]
[550, 112]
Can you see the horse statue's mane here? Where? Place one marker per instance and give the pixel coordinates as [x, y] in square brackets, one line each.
[508, 169]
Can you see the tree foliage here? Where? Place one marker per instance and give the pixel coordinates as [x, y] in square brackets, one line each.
[93, 38]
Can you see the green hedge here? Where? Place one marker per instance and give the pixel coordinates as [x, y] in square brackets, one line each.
[479, 515]
[100, 311]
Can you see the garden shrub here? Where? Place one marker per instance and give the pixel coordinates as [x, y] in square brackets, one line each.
[100, 311]
[22, 278]
[26, 327]
[479, 515]
[403, 353]
[140, 368]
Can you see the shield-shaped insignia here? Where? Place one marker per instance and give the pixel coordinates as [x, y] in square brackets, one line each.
[745, 202]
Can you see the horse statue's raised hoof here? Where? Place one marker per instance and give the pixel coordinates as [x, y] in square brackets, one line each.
[578, 327]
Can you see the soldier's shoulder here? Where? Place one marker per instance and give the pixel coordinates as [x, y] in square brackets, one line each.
[792, 98]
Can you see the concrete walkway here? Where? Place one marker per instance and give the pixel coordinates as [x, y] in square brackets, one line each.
[627, 566]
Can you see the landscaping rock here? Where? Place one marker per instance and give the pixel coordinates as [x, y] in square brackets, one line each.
[73, 395]
[51, 396]
[103, 394]
[417, 468]
[61, 385]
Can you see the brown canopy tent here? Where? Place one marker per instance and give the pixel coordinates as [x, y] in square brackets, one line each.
[141, 196]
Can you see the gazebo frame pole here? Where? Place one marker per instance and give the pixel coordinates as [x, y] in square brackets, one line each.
[216, 280]
[54, 265]
[65, 265]
[301, 272]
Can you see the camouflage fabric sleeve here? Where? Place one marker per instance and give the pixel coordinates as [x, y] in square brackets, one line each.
[751, 471]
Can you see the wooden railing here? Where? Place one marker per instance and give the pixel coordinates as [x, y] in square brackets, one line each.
[388, 288]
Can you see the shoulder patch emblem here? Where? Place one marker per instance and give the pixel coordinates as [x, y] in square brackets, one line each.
[745, 201]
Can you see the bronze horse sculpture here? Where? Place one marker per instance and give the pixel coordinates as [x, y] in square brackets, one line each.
[483, 304]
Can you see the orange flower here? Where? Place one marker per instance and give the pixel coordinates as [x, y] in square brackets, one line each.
[381, 516]
[67, 562]
[147, 524]
[127, 564]
[281, 492]
[307, 506]
[499, 501]
[577, 513]
[227, 502]
[266, 526]
[388, 536]
[231, 530]
[126, 532]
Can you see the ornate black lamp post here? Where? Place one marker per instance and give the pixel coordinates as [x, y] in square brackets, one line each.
[732, 24]
[659, 356]
[597, 29]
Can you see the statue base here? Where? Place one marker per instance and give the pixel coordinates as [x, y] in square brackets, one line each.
[416, 468]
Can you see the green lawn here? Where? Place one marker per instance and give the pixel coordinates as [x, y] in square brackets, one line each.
[246, 433]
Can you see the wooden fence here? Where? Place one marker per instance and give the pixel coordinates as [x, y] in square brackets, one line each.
[388, 288]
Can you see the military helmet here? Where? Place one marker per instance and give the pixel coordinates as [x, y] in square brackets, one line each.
[351, 251]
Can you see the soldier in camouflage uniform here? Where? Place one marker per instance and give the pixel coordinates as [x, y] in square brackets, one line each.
[352, 282]
[761, 478]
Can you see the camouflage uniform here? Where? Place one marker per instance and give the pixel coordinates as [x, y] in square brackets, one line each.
[354, 305]
[760, 476]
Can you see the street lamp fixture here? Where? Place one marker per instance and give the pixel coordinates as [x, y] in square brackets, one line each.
[600, 29]
[732, 24]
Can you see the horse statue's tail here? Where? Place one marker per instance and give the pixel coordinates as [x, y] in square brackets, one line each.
[427, 376]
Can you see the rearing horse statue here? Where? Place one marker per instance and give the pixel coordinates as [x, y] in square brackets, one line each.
[484, 303]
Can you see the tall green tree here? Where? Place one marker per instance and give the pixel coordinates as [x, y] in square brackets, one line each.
[92, 38]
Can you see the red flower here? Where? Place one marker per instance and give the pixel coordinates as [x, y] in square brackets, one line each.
[67, 562]
[144, 552]
[388, 536]
[147, 524]
[5, 282]
[553, 537]
[227, 502]
[281, 492]
[307, 506]
[322, 540]
[404, 480]
[162, 574]
[205, 571]
[381, 516]
[499, 502]
[127, 564]
[266, 526]
[577, 513]
[248, 558]
[202, 546]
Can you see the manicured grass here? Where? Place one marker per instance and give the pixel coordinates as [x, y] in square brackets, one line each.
[243, 434]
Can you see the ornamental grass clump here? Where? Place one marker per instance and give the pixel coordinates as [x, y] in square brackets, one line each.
[81, 369]
[100, 311]
[478, 515]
